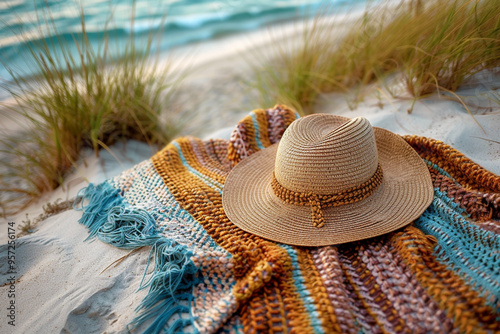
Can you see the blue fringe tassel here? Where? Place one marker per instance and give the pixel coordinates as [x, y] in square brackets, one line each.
[101, 199]
[170, 287]
[111, 219]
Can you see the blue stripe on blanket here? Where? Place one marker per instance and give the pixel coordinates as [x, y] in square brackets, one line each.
[464, 247]
[302, 290]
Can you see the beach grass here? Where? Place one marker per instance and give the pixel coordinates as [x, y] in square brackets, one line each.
[461, 39]
[291, 73]
[432, 46]
[88, 99]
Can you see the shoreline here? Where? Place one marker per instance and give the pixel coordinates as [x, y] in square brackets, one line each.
[219, 68]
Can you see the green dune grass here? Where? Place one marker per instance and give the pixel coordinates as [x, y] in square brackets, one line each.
[90, 99]
[434, 45]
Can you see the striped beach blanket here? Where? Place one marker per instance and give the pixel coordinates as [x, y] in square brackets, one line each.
[441, 274]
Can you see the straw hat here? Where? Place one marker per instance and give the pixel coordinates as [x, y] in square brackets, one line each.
[330, 180]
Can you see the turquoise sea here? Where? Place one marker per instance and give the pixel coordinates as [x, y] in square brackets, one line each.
[180, 21]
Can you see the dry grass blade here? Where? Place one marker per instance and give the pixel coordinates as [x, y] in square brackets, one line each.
[121, 259]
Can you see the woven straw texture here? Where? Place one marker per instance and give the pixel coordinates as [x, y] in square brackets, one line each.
[311, 157]
[437, 275]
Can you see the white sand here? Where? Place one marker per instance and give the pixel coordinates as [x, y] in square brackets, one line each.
[60, 284]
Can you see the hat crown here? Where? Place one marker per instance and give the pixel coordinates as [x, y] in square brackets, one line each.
[325, 155]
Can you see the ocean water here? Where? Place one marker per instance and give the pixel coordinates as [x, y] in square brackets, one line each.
[179, 21]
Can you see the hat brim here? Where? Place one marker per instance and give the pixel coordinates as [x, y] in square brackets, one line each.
[406, 191]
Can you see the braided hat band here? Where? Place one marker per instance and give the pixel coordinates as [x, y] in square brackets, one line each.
[318, 202]
[352, 180]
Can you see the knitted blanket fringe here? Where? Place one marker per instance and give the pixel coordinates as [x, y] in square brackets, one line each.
[112, 220]
[440, 274]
